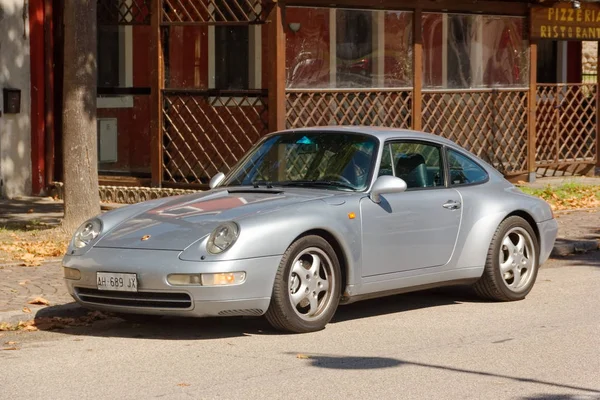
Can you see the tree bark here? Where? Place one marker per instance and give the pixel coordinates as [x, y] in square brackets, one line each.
[82, 200]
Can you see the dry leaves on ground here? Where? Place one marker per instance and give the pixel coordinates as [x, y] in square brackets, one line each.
[54, 323]
[32, 248]
[569, 196]
[39, 301]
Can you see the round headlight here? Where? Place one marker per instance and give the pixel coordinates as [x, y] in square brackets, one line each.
[223, 237]
[86, 233]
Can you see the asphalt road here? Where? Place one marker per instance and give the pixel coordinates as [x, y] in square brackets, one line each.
[442, 344]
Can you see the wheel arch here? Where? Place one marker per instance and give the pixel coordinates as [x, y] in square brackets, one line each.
[337, 247]
[529, 218]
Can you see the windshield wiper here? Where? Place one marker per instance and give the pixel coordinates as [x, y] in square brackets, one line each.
[319, 183]
[257, 184]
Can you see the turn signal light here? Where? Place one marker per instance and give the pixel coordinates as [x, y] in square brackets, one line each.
[221, 279]
[184, 279]
[71, 273]
[231, 278]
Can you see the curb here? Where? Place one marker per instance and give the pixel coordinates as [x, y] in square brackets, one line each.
[563, 247]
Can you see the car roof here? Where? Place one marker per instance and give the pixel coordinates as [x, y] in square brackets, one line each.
[381, 133]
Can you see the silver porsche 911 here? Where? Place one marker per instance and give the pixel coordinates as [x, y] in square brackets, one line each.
[313, 218]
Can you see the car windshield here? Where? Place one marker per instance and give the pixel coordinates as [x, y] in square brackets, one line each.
[342, 161]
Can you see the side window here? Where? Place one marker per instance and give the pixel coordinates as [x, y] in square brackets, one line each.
[419, 164]
[463, 170]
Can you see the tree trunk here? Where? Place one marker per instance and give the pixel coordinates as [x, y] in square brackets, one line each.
[82, 200]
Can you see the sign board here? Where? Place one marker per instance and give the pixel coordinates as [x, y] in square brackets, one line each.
[564, 22]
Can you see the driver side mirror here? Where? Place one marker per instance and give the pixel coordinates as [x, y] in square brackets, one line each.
[216, 180]
[385, 185]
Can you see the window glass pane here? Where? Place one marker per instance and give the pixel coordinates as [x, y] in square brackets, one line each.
[463, 170]
[338, 48]
[307, 47]
[108, 56]
[418, 164]
[231, 57]
[336, 160]
[474, 51]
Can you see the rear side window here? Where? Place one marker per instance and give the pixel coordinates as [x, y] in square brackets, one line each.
[463, 170]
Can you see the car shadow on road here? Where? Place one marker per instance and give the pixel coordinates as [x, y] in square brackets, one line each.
[367, 363]
[71, 319]
[406, 302]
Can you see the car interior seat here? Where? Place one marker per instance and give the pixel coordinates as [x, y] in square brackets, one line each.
[412, 169]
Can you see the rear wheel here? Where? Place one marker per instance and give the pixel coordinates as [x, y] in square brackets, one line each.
[512, 262]
[307, 287]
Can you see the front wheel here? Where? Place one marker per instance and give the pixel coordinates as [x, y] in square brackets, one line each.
[512, 262]
[307, 287]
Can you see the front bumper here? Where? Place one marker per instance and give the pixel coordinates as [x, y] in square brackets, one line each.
[548, 231]
[156, 296]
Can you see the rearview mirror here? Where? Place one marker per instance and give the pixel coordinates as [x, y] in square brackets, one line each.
[385, 185]
[216, 180]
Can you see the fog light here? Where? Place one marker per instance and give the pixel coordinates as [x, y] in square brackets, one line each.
[184, 279]
[231, 278]
[71, 273]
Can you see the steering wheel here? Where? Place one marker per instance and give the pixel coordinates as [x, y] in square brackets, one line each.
[336, 178]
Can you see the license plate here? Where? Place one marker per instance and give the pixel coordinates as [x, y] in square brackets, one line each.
[117, 282]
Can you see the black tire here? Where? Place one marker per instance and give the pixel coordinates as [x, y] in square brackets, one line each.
[282, 313]
[496, 285]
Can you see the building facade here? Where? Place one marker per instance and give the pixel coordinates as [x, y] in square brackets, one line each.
[186, 87]
[15, 86]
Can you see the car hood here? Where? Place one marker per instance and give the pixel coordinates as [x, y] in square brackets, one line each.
[178, 223]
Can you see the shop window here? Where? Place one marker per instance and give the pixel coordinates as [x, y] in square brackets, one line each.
[232, 57]
[474, 51]
[235, 54]
[338, 48]
[114, 60]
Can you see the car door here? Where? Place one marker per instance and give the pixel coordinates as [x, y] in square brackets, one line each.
[415, 229]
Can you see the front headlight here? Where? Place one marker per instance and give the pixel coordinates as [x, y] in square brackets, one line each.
[223, 237]
[86, 233]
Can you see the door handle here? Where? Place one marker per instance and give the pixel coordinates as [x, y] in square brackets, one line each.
[452, 205]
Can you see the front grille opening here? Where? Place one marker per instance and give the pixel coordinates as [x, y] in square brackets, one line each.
[137, 299]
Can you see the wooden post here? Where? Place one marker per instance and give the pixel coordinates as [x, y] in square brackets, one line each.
[36, 40]
[598, 109]
[417, 99]
[277, 101]
[49, 89]
[157, 83]
[532, 106]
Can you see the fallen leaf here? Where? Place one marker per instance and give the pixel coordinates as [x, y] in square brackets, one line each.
[39, 301]
[302, 356]
[27, 310]
[25, 282]
[30, 211]
[10, 348]
[10, 343]
[183, 384]
[30, 328]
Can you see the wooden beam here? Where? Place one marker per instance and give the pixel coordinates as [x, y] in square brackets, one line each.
[417, 100]
[532, 106]
[156, 102]
[276, 85]
[465, 6]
